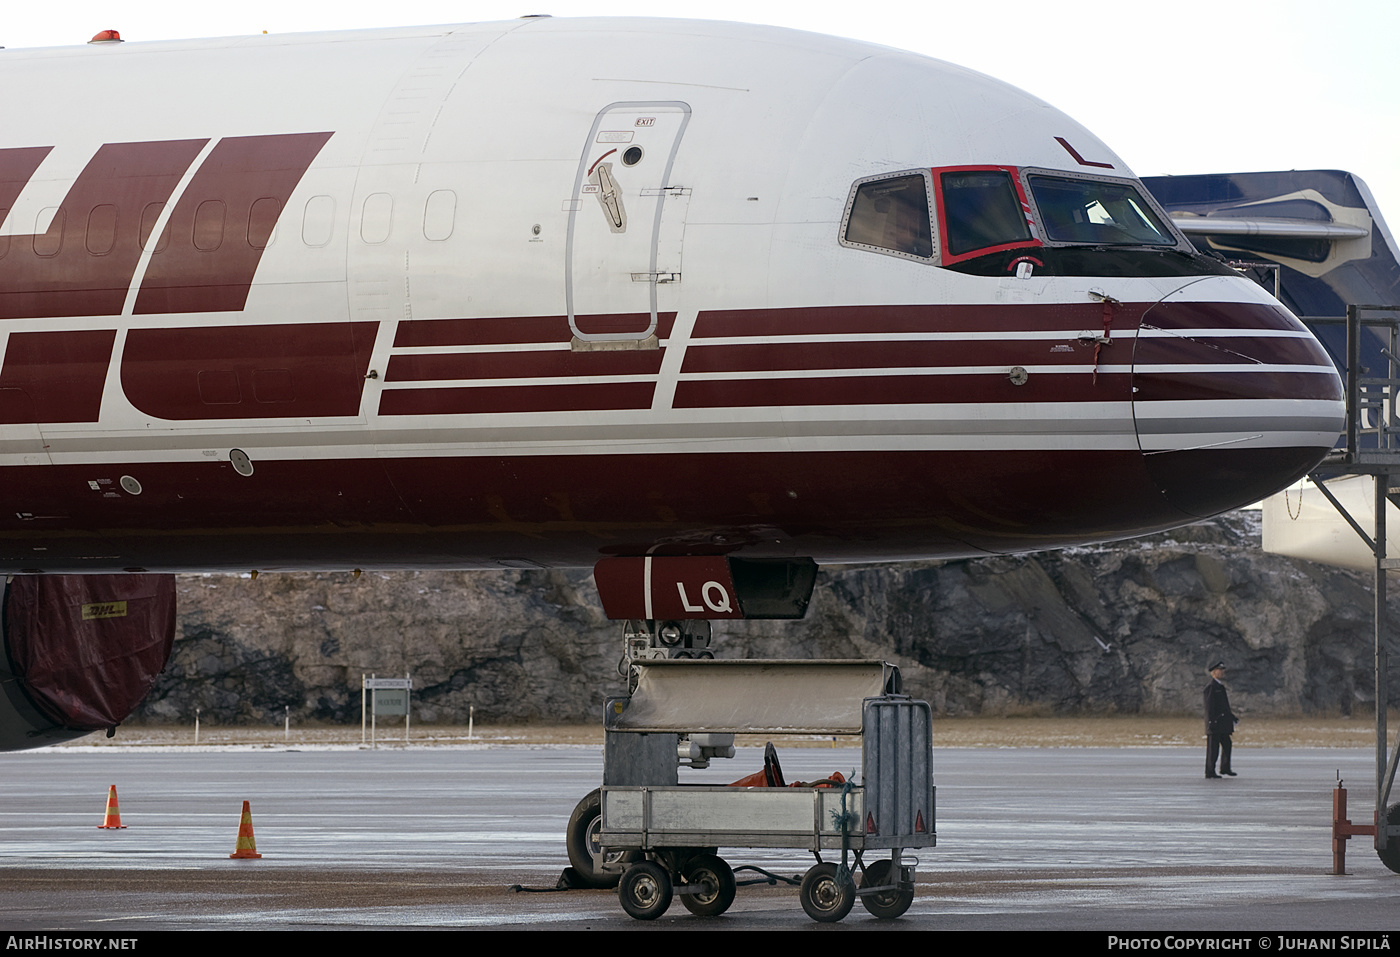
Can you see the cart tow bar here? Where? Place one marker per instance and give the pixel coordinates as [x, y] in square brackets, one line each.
[768, 877]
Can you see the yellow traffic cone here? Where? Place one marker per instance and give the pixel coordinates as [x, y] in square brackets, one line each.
[113, 818]
[247, 848]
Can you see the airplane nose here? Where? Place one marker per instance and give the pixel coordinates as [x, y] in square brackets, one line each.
[1233, 398]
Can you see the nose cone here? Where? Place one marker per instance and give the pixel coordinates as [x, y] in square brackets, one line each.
[1233, 397]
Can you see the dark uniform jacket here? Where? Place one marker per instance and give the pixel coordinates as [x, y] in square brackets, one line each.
[1219, 718]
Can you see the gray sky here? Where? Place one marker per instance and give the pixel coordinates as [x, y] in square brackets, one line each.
[1180, 87]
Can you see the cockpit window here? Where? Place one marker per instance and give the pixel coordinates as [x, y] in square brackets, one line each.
[1096, 212]
[891, 214]
[981, 209]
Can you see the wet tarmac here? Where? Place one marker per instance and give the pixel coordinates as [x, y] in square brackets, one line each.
[1073, 838]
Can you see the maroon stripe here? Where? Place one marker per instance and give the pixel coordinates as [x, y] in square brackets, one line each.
[83, 264]
[629, 323]
[505, 330]
[1079, 159]
[530, 398]
[829, 320]
[1221, 315]
[1177, 386]
[222, 223]
[889, 390]
[17, 168]
[472, 332]
[55, 376]
[1231, 351]
[769, 356]
[238, 372]
[507, 365]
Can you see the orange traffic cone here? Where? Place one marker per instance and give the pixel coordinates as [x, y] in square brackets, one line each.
[246, 847]
[759, 779]
[113, 818]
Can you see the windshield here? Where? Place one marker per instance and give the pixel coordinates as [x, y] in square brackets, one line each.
[1096, 212]
[981, 209]
[892, 214]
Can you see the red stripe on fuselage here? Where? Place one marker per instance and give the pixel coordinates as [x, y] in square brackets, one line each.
[1230, 350]
[471, 332]
[209, 269]
[54, 376]
[513, 365]
[83, 264]
[1264, 384]
[1244, 316]
[503, 330]
[1254, 356]
[614, 324]
[875, 320]
[254, 371]
[900, 390]
[889, 354]
[17, 168]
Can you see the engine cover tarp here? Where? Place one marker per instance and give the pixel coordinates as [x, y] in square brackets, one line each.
[87, 648]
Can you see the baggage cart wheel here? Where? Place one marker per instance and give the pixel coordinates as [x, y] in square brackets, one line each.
[645, 890]
[825, 898]
[1390, 856]
[581, 838]
[718, 878]
[885, 905]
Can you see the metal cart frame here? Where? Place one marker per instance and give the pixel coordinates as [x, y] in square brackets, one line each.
[662, 836]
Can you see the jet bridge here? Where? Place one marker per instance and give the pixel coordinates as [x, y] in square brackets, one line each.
[1370, 446]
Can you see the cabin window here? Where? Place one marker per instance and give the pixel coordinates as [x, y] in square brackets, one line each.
[318, 221]
[376, 218]
[209, 225]
[980, 210]
[439, 215]
[262, 221]
[149, 217]
[891, 214]
[219, 387]
[102, 229]
[47, 242]
[1096, 212]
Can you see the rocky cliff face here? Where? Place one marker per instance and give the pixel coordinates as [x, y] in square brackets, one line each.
[1124, 628]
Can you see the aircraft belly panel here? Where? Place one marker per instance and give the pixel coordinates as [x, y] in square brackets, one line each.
[567, 509]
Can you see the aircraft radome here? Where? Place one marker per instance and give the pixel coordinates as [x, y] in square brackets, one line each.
[705, 303]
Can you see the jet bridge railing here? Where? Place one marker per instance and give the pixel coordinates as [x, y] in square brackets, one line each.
[1371, 446]
[1372, 379]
